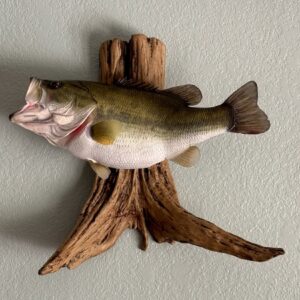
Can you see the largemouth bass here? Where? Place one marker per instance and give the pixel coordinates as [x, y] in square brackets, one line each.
[131, 125]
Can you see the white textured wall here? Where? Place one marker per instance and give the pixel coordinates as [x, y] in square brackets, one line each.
[248, 185]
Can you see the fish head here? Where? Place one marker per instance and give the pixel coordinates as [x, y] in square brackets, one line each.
[54, 109]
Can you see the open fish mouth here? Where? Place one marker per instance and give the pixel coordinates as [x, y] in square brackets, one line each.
[34, 112]
[44, 115]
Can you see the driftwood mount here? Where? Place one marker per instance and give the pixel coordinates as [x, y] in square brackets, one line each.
[145, 198]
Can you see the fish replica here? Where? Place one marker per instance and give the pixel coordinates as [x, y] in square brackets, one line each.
[132, 125]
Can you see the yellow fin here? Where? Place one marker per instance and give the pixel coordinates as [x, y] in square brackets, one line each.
[188, 158]
[105, 132]
[102, 171]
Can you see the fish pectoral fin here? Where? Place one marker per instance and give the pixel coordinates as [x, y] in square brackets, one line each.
[189, 93]
[102, 171]
[188, 158]
[105, 132]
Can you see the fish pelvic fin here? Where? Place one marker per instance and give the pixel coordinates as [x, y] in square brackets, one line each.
[188, 158]
[247, 117]
[102, 171]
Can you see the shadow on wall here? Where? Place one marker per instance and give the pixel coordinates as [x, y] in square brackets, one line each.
[96, 37]
[51, 227]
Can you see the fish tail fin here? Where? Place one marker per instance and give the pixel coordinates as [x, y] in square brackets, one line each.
[247, 117]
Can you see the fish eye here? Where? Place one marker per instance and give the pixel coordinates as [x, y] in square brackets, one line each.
[53, 85]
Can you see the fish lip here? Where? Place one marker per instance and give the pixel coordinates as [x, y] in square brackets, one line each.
[12, 116]
[27, 114]
[33, 96]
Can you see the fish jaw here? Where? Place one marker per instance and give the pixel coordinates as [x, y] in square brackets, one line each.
[33, 117]
[34, 111]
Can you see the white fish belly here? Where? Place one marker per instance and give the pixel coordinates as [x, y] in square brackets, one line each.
[177, 145]
[122, 154]
[137, 151]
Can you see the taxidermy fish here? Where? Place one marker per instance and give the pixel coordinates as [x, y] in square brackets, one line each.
[132, 125]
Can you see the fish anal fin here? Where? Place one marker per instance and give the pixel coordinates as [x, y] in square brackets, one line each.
[189, 93]
[188, 158]
[105, 132]
[102, 171]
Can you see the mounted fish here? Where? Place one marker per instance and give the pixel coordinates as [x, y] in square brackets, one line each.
[131, 125]
[127, 131]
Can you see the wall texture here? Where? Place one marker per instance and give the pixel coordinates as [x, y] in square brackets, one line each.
[248, 185]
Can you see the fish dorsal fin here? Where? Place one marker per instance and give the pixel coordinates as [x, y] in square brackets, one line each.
[188, 158]
[105, 132]
[138, 85]
[189, 93]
